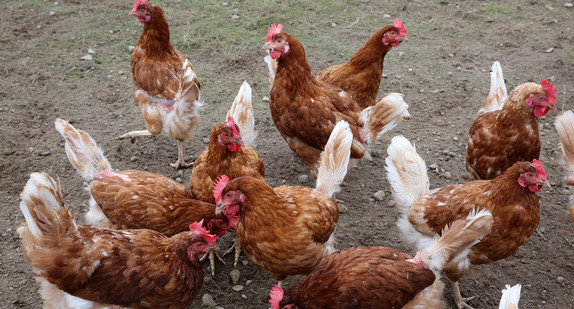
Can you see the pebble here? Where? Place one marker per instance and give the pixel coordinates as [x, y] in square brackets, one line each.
[265, 99]
[218, 307]
[45, 153]
[234, 16]
[433, 166]
[134, 158]
[207, 300]
[551, 49]
[385, 75]
[568, 5]
[87, 57]
[449, 153]
[237, 288]
[248, 282]
[244, 262]
[235, 274]
[560, 279]
[120, 72]
[225, 4]
[401, 54]
[243, 296]
[447, 175]
[391, 203]
[303, 178]
[455, 138]
[178, 180]
[333, 24]
[379, 195]
[386, 16]
[205, 140]
[131, 48]
[91, 51]
[398, 76]
[52, 13]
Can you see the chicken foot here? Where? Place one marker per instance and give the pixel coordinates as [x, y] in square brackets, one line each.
[237, 246]
[212, 254]
[134, 135]
[180, 163]
[460, 302]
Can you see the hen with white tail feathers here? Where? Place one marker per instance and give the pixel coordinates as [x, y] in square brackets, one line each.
[565, 126]
[509, 197]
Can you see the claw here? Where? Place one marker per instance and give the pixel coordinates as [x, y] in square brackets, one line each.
[237, 246]
[180, 164]
[212, 254]
[461, 302]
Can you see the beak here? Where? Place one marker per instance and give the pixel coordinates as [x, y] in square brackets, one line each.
[403, 39]
[267, 46]
[132, 13]
[218, 209]
[239, 141]
[544, 183]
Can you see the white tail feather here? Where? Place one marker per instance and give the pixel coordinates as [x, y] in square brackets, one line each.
[242, 112]
[406, 172]
[334, 160]
[383, 116]
[510, 297]
[497, 94]
[82, 151]
[565, 127]
[188, 98]
[458, 238]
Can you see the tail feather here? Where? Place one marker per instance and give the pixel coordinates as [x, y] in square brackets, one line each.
[498, 94]
[242, 112]
[384, 116]
[334, 159]
[44, 211]
[272, 65]
[510, 297]
[407, 172]
[82, 151]
[565, 126]
[188, 97]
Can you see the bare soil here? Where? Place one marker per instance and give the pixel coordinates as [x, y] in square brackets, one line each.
[443, 72]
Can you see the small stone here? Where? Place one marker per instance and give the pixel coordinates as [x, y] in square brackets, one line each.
[552, 78]
[333, 24]
[568, 5]
[447, 175]
[205, 140]
[433, 166]
[243, 296]
[551, 49]
[455, 138]
[386, 16]
[449, 153]
[120, 72]
[87, 57]
[391, 203]
[248, 282]
[244, 262]
[235, 274]
[131, 48]
[225, 4]
[385, 75]
[401, 54]
[219, 307]
[303, 178]
[51, 13]
[560, 279]
[542, 230]
[45, 153]
[436, 154]
[379, 195]
[237, 288]
[178, 180]
[91, 51]
[265, 99]
[234, 16]
[207, 300]
[134, 158]
[398, 76]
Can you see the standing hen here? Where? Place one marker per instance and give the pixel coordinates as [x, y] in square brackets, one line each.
[306, 109]
[166, 87]
[361, 76]
[287, 230]
[506, 130]
[228, 154]
[510, 197]
[565, 126]
[378, 277]
[128, 268]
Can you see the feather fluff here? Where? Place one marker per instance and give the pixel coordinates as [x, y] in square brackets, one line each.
[334, 159]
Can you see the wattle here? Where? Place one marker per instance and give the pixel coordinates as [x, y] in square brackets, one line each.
[540, 111]
[234, 147]
[534, 188]
[275, 53]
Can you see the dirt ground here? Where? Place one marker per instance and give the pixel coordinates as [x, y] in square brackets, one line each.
[443, 72]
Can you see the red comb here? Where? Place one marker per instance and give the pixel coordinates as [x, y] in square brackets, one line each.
[138, 3]
[548, 87]
[276, 296]
[231, 124]
[273, 30]
[198, 229]
[218, 187]
[399, 24]
[538, 165]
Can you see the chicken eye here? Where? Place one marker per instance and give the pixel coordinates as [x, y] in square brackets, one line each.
[229, 194]
[540, 98]
[530, 175]
[142, 11]
[278, 41]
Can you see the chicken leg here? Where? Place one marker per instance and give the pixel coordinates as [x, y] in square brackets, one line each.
[180, 163]
[460, 302]
[237, 246]
[134, 135]
[212, 254]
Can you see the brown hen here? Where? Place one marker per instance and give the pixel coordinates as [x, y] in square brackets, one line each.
[85, 266]
[511, 198]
